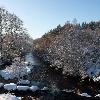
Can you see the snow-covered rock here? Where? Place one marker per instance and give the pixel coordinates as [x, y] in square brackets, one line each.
[1, 85]
[67, 90]
[26, 63]
[23, 88]
[85, 95]
[24, 82]
[45, 88]
[98, 95]
[34, 88]
[10, 86]
[28, 69]
[96, 78]
[8, 97]
[19, 98]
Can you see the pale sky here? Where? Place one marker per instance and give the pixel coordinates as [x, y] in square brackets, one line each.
[39, 16]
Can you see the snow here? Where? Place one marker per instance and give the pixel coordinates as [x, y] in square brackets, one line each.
[6, 74]
[67, 90]
[95, 69]
[26, 63]
[96, 78]
[24, 82]
[28, 69]
[94, 72]
[23, 88]
[19, 98]
[18, 69]
[8, 97]
[1, 85]
[34, 88]
[10, 86]
[85, 94]
[92, 61]
[45, 88]
[98, 95]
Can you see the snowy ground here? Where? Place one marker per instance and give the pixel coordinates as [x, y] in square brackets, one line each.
[18, 68]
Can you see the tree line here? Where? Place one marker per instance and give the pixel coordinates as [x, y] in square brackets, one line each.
[72, 48]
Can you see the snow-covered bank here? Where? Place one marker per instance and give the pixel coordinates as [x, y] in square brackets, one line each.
[8, 97]
[93, 71]
[18, 68]
[85, 94]
[14, 71]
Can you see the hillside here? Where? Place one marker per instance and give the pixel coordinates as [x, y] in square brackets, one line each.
[72, 48]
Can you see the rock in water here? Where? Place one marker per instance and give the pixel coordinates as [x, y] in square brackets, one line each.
[34, 88]
[10, 86]
[22, 88]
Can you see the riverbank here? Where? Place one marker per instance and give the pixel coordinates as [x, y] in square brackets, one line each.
[59, 86]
